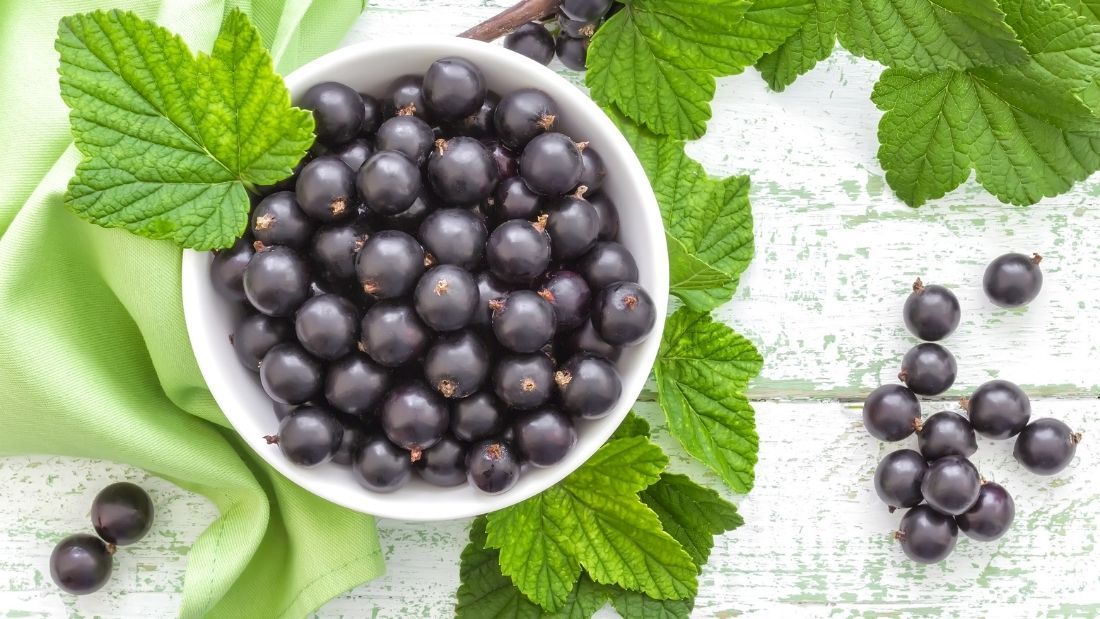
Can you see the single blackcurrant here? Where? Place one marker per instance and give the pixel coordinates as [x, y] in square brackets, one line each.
[446, 298]
[609, 216]
[372, 115]
[479, 125]
[590, 386]
[256, 334]
[513, 200]
[606, 263]
[380, 466]
[891, 413]
[122, 513]
[492, 467]
[457, 364]
[354, 384]
[327, 326]
[405, 97]
[355, 153]
[898, 478]
[532, 40]
[276, 281]
[991, 516]
[455, 236]
[389, 182]
[81, 564]
[391, 334]
[522, 114]
[227, 269]
[334, 249]
[462, 172]
[443, 464]
[453, 88]
[544, 436]
[573, 52]
[946, 434]
[931, 312]
[951, 485]
[587, 340]
[337, 112]
[573, 225]
[998, 409]
[326, 190]
[489, 289]
[623, 313]
[518, 251]
[570, 297]
[389, 264]
[551, 164]
[278, 220]
[1013, 280]
[1046, 446]
[585, 10]
[928, 369]
[927, 536]
[407, 135]
[593, 170]
[523, 321]
[477, 417]
[414, 417]
[309, 436]
[524, 381]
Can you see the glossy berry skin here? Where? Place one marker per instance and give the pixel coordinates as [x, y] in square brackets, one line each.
[891, 413]
[608, 214]
[590, 386]
[349, 444]
[81, 564]
[479, 125]
[569, 295]
[946, 434]
[593, 170]
[543, 437]
[576, 28]
[951, 485]
[327, 326]
[388, 182]
[290, 375]
[326, 190]
[998, 409]
[1013, 280]
[931, 312]
[453, 89]
[256, 334]
[455, 236]
[522, 114]
[927, 536]
[532, 40]
[122, 513]
[372, 115]
[443, 464]
[585, 339]
[355, 385]
[409, 219]
[278, 220]
[492, 467]
[227, 269]
[392, 334]
[276, 281]
[513, 199]
[573, 225]
[310, 436]
[457, 364]
[606, 263]
[518, 251]
[337, 112]
[446, 298]
[489, 289]
[551, 164]
[928, 369]
[991, 516]
[573, 52]
[477, 417]
[380, 466]
[523, 321]
[389, 264]
[461, 171]
[282, 410]
[585, 10]
[405, 97]
[333, 249]
[524, 381]
[898, 478]
[355, 153]
[1046, 446]
[407, 135]
[507, 161]
[623, 313]
[414, 416]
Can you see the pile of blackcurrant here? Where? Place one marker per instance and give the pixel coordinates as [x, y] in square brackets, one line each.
[439, 288]
[568, 34]
[939, 486]
[122, 514]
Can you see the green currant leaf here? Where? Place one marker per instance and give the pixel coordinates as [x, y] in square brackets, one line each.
[691, 513]
[812, 43]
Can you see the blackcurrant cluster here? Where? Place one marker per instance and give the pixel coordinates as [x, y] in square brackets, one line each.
[442, 291]
[939, 485]
[568, 34]
[122, 514]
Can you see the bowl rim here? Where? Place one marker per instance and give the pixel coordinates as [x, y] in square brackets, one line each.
[195, 266]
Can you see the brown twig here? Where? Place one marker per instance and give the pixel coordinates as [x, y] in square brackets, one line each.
[512, 18]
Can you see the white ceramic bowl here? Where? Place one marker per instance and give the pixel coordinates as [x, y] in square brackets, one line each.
[370, 68]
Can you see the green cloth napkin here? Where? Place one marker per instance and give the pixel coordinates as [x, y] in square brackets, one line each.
[94, 357]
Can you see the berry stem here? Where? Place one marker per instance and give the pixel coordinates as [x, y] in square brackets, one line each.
[512, 18]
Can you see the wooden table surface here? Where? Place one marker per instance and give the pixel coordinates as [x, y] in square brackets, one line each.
[836, 253]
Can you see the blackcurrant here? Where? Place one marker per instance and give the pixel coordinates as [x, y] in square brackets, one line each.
[355, 153]
[570, 297]
[593, 170]
[609, 216]
[256, 334]
[507, 161]
[81, 564]
[998, 409]
[891, 413]
[407, 135]
[477, 417]
[524, 381]
[518, 251]
[573, 52]
[455, 236]
[551, 164]
[337, 112]
[405, 97]
[446, 298]
[326, 190]
[453, 88]
[951, 485]
[414, 417]
[991, 516]
[457, 364]
[309, 436]
[389, 264]
[931, 312]
[544, 436]
[590, 386]
[946, 434]
[573, 225]
[513, 199]
[928, 369]
[576, 27]
[290, 375]
[381, 466]
[391, 334]
[1046, 446]
[522, 114]
[327, 326]
[606, 263]
[388, 182]
[443, 464]
[523, 321]
[334, 248]
[623, 313]
[1013, 280]
[492, 467]
[927, 536]
[372, 115]
[480, 124]
[461, 171]
[278, 220]
[585, 10]
[489, 289]
[586, 339]
[276, 281]
[532, 40]
[349, 444]
[898, 478]
[354, 384]
[122, 513]
[227, 269]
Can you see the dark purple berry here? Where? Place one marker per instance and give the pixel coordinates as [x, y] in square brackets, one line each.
[492, 467]
[898, 478]
[477, 417]
[991, 516]
[573, 52]
[372, 115]
[290, 375]
[1013, 280]
[573, 225]
[513, 200]
[227, 269]
[623, 313]
[327, 326]
[457, 364]
[927, 536]
[354, 385]
[518, 251]
[380, 466]
[593, 170]
[570, 297]
[523, 321]
[480, 124]
[461, 171]
[1046, 446]
[928, 369]
[609, 216]
[998, 409]
[891, 413]
[326, 190]
[388, 182]
[443, 464]
[590, 386]
[407, 135]
[532, 40]
[122, 513]
[524, 381]
[355, 153]
[414, 417]
[585, 10]
[951, 485]
[276, 281]
[585, 339]
[337, 112]
[334, 249]
[446, 298]
[489, 289]
[453, 88]
[606, 263]
[389, 264]
[455, 236]
[309, 436]
[544, 436]
[931, 312]
[81, 564]
[551, 164]
[577, 28]
[405, 97]
[522, 114]
[278, 220]
[349, 444]
[507, 161]
[946, 434]
[392, 334]
[256, 334]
